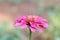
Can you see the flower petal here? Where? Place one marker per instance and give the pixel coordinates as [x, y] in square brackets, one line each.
[34, 25]
[17, 24]
[45, 25]
[40, 30]
[23, 26]
[32, 29]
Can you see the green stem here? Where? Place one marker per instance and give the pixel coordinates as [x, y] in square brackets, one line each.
[30, 34]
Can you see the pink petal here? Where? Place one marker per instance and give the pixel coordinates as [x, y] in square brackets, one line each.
[40, 30]
[23, 26]
[41, 20]
[24, 17]
[32, 29]
[21, 17]
[17, 24]
[33, 24]
[45, 25]
[22, 22]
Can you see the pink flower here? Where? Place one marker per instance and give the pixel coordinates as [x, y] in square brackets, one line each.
[33, 22]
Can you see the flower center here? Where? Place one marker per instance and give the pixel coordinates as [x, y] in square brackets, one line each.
[28, 24]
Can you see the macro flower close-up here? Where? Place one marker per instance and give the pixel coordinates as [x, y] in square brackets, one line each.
[33, 22]
[29, 19]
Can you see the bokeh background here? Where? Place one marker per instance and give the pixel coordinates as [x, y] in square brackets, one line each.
[11, 9]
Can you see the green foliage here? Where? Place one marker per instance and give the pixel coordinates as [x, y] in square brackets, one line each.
[7, 32]
[54, 23]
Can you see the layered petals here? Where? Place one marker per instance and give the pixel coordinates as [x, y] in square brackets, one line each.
[33, 22]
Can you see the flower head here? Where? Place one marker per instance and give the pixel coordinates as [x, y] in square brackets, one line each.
[33, 22]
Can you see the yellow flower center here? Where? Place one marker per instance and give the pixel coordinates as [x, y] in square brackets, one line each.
[32, 18]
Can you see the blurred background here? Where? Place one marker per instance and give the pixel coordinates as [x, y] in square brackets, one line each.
[11, 9]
